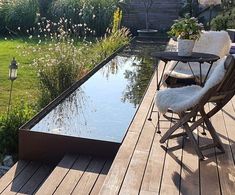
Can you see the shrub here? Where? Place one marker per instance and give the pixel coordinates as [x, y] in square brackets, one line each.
[44, 5]
[19, 13]
[95, 15]
[224, 20]
[9, 126]
[58, 64]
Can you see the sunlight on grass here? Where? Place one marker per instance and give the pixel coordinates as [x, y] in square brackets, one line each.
[25, 86]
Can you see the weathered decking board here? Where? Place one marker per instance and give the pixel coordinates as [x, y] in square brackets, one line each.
[142, 166]
[24, 178]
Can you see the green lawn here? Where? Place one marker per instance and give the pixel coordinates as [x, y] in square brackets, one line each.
[25, 86]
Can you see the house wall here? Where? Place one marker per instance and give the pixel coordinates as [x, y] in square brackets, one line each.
[161, 15]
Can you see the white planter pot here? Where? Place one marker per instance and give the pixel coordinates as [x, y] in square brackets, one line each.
[185, 47]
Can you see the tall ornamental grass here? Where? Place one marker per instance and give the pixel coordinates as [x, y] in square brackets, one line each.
[61, 60]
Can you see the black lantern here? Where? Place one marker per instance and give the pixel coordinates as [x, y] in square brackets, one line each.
[13, 70]
[12, 76]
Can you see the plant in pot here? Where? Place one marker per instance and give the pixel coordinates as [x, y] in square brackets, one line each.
[186, 30]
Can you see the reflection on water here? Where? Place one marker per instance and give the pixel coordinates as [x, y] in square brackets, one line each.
[103, 107]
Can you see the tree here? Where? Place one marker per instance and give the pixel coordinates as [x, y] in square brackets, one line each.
[147, 4]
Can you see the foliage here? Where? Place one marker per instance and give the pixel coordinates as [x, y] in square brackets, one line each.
[95, 15]
[117, 18]
[10, 124]
[57, 61]
[19, 14]
[224, 20]
[60, 62]
[186, 28]
[44, 6]
[106, 46]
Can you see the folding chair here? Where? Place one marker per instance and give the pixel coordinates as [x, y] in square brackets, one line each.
[219, 89]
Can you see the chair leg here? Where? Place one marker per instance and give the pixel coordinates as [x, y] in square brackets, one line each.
[212, 131]
[170, 131]
[182, 120]
[193, 140]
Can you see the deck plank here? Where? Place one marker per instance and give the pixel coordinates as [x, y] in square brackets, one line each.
[98, 184]
[19, 181]
[190, 170]
[170, 183]
[36, 180]
[58, 174]
[11, 174]
[89, 178]
[74, 175]
[118, 169]
[225, 161]
[153, 173]
[116, 175]
[229, 116]
[135, 172]
[209, 180]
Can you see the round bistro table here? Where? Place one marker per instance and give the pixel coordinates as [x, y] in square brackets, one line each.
[195, 57]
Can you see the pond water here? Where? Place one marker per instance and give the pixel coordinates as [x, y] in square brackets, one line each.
[103, 107]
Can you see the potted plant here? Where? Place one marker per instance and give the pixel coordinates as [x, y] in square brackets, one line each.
[186, 30]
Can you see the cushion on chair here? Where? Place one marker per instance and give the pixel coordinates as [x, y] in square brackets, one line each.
[184, 98]
[213, 42]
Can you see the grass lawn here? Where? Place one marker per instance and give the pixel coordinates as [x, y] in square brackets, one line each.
[25, 86]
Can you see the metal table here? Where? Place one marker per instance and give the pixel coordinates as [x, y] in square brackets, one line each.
[173, 56]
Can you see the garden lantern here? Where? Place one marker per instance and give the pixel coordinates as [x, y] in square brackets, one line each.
[13, 70]
[12, 76]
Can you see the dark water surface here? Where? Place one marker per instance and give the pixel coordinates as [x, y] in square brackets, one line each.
[103, 107]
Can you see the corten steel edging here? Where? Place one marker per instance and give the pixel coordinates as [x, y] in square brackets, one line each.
[69, 91]
[50, 148]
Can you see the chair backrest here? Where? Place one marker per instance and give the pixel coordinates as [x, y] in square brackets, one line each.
[214, 42]
[226, 88]
[222, 90]
[228, 82]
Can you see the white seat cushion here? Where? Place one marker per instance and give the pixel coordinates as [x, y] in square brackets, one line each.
[184, 98]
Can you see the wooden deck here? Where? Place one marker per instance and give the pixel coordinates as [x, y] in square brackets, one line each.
[144, 166]
[73, 175]
[24, 178]
[141, 166]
